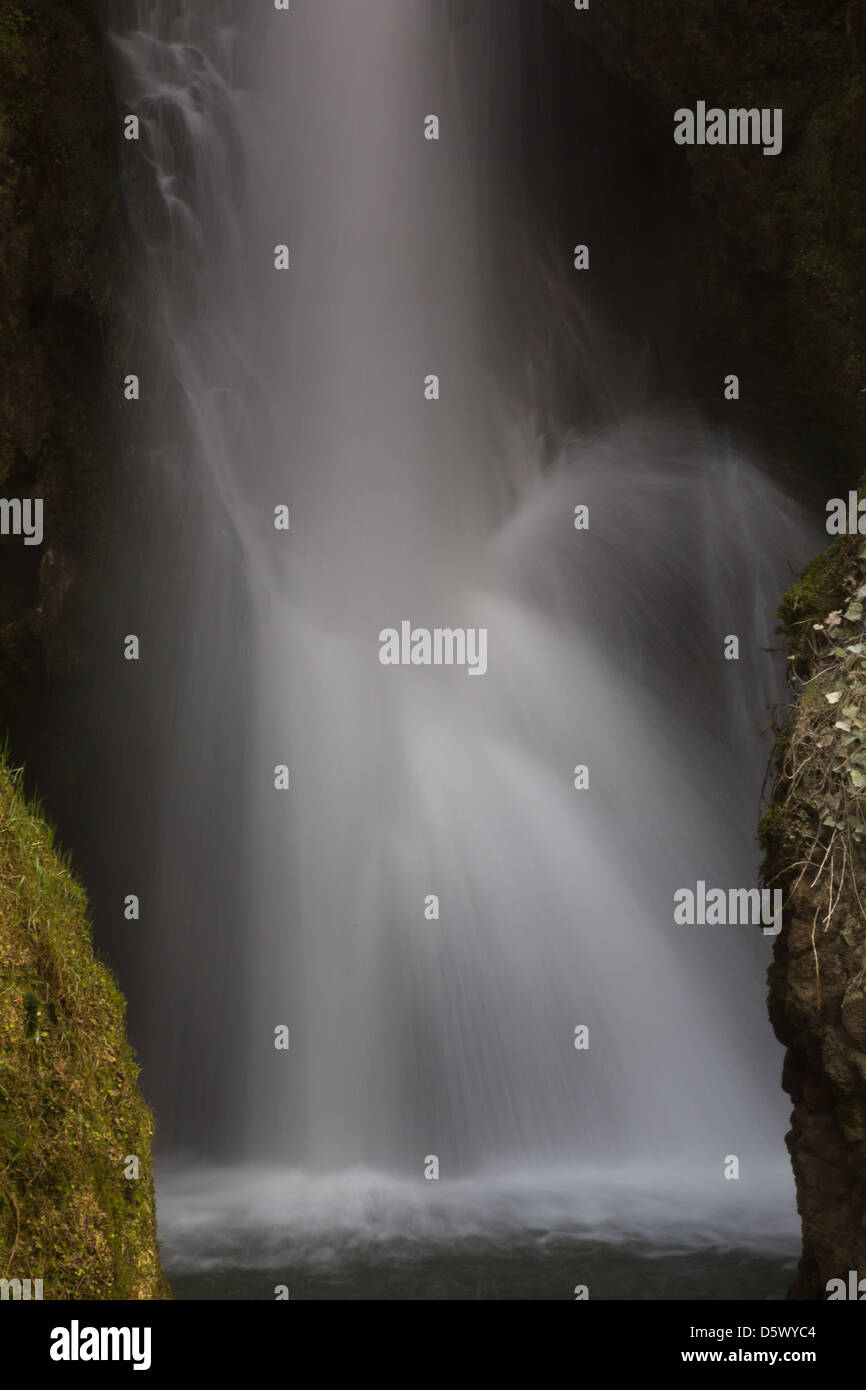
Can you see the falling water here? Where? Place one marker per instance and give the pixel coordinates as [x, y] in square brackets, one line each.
[413, 1036]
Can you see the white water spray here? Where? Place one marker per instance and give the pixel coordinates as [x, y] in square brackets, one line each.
[453, 1036]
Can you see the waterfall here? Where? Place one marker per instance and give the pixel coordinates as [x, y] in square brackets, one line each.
[413, 1034]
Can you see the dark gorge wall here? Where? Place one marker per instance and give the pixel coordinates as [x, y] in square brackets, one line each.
[59, 227]
[780, 244]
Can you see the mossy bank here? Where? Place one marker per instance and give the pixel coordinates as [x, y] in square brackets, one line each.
[76, 1192]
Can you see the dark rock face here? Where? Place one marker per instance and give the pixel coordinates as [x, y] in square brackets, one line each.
[818, 1007]
[60, 221]
[782, 298]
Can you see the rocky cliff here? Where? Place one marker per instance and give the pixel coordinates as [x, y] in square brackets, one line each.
[814, 835]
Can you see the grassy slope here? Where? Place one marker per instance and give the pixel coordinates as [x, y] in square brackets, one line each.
[70, 1108]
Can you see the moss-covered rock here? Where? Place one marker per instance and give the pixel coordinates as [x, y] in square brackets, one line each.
[816, 593]
[71, 1114]
[814, 837]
